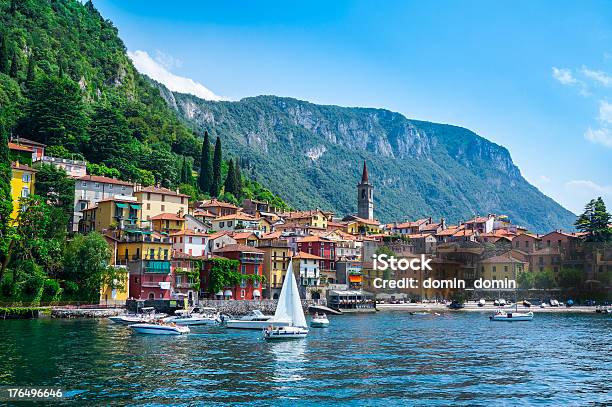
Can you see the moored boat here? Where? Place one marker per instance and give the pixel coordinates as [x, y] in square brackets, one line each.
[206, 316]
[148, 315]
[254, 320]
[319, 321]
[160, 329]
[509, 316]
[289, 309]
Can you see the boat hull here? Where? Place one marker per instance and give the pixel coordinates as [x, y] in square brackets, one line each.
[153, 329]
[129, 320]
[285, 333]
[512, 317]
[323, 323]
[258, 325]
[192, 321]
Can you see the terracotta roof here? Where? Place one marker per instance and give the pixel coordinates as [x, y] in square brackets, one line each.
[561, 232]
[216, 203]
[312, 239]
[302, 255]
[451, 230]
[412, 224]
[478, 219]
[121, 199]
[502, 258]
[242, 235]
[419, 235]
[160, 191]
[19, 147]
[167, 216]
[431, 227]
[189, 232]
[301, 214]
[236, 216]
[464, 232]
[273, 235]
[219, 234]
[26, 141]
[103, 180]
[203, 212]
[366, 221]
[238, 248]
[22, 167]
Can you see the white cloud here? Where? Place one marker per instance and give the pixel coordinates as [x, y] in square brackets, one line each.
[601, 136]
[605, 112]
[157, 71]
[167, 60]
[545, 179]
[564, 76]
[597, 76]
[590, 186]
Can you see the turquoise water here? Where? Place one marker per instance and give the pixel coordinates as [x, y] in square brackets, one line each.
[389, 358]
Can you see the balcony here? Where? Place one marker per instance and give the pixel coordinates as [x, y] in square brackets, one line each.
[157, 266]
[249, 258]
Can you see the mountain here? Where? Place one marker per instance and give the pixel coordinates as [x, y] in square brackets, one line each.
[312, 156]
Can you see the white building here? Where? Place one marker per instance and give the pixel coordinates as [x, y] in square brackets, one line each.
[236, 222]
[307, 268]
[73, 168]
[190, 242]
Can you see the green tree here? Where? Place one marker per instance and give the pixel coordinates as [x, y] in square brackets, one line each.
[53, 184]
[238, 180]
[570, 278]
[230, 179]
[595, 221]
[215, 186]
[108, 132]
[4, 54]
[190, 190]
[86, 263]
[14, 65]
[544, 280]
[186, 174]
[6, 202]
[223, 273]
[525, 280]
[205, 177]
[162, 164]
[31, 72]
[55, 113]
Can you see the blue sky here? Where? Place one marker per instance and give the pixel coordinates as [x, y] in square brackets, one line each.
[535, 77]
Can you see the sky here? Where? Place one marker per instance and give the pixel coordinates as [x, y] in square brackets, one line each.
[535, 77]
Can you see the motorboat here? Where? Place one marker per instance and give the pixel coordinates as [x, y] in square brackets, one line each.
[509, 316]
[147, 314]
[254, 320]
[482, 302]
[160, 328]
[289, 309]
[420, 313]
[319, 321]
[196, 316]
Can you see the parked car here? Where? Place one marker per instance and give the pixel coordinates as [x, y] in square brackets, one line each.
[456, 305]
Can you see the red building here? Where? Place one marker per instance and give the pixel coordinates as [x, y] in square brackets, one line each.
[150, 279]
[319, 246]
[251, 262]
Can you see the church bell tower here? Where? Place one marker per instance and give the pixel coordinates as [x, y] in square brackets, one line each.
[365, 201]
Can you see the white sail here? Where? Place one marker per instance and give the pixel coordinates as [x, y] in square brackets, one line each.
[289, 307]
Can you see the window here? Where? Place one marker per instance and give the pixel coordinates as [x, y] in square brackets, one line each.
[151, 253]
[243, 284]
[506, 269]
[243, 270]
[83, 205]
[190, 237]
[26, 178]
[256, 269]
[163, 198]
[148, 206]
[25, 192]
[256, 283]
[110, 186]
[123, 189]
[84, 184]
[494, 269]
[242, 293]
[221, 224]
[96, 185]
[229, 224]
[163, 208]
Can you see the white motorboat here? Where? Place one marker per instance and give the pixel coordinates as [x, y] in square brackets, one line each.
[319, 321]
[509, 316]
[482, 302]
[148, 315]
[254, 320]
[289, 309]
[160, 329]
[205, 316]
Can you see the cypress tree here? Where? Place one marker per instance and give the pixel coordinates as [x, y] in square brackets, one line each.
[14, 65]
[230, 180]
[31, 73]
[4, 57]
[205, 177]
[186, 176]
[215, 185]
[238, 180]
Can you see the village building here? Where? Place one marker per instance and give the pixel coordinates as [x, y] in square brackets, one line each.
[217, 208]
[250, 259]
[89, 190]
[218, 240]
[307, 271]
[158, 200]
[501, 267]
[236, 222]
[322, 247]
[168, 223]
[22, 185]
[111, 213]
[73, 168]
[276, 260]
[527, 242]
[190, 242]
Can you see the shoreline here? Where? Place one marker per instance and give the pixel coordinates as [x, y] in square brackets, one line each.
[473, 307]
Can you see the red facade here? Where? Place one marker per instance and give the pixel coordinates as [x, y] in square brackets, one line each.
[250, 263]
[319, 247]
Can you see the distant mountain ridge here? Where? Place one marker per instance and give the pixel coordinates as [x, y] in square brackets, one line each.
[312, 155]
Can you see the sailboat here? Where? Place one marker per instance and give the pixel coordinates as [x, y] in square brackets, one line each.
[510, 316]
[289, 309]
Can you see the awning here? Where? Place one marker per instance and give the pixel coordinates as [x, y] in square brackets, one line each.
[135, 206]
[227, 293]
[256, 293]
[164, 285]
[121, 205]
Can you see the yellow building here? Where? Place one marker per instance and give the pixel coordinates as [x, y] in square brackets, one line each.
[157, 200]
[109, 296]
[357, 226]
[168, 223]
[143, 245]
[315, 219]
[276, 260]
[113, 213]
[22, 185]
[501, 267]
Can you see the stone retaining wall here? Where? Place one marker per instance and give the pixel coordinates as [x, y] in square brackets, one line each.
[85, 312]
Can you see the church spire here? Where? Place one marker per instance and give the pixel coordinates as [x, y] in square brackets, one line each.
[364, 176]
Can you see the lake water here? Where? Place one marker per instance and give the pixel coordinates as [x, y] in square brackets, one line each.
[389, 358]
